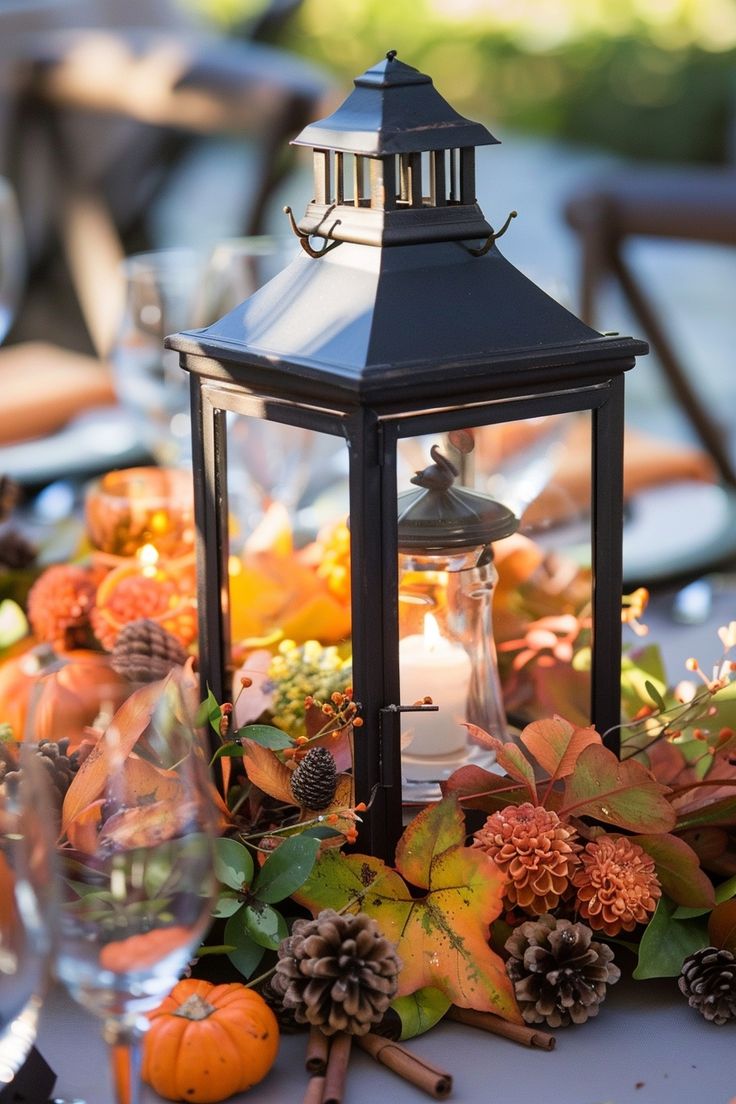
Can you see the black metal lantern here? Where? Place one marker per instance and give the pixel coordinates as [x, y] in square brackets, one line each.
[400, 323]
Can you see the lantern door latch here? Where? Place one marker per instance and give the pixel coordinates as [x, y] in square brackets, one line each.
[388, 736]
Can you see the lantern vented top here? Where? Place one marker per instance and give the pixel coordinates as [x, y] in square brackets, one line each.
[440, 517]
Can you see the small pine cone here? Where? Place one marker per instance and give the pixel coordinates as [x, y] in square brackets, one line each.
[708, 980]
[559, 973]
[16, 551]
[535, 850]
[58, 764]
[59, 606]
[617, 887]
[145, 651]
[314, 781]
[337, 972]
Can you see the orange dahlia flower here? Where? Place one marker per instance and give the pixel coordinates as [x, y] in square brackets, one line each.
[535, 850]
[617, 887]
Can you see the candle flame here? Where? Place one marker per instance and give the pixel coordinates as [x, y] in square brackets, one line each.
[432, 634]
[147, 556]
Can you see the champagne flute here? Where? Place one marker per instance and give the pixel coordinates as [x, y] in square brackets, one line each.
[26, 853]
[136, 881]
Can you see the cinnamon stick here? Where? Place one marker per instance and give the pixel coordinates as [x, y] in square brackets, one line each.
[430, 1079]
[318, 1045]
[315, 1090]
[518, 1033]
[337, 1068]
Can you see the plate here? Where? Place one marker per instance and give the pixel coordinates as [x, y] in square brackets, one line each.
[678, 530]
[99, 439]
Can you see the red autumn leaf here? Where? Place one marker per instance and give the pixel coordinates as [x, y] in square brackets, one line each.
[124, 731]
[678, 870]
[509, 757]
[722, 926]
[618, 793]
[147, 825]
[477, 788]
[442, 937]
[556, 744]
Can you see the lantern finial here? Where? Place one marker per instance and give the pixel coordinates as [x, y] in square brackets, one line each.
[390, 55]
[438, 476]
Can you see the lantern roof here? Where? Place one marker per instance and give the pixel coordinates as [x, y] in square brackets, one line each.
[400, 324]
[394, 109]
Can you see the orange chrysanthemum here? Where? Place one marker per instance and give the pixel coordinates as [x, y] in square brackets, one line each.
[131, 596]
[617, 887]
[59, 606]
[535, 850]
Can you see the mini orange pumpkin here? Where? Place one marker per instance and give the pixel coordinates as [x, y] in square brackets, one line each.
[207, 1042]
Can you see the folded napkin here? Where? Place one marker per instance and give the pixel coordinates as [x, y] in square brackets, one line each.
[648, 462]
[43, 386]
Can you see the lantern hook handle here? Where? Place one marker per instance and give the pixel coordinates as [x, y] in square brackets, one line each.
[493, 237]
[304, 236]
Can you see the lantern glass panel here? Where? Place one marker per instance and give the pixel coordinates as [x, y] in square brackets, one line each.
[496, 632]
[288, 555]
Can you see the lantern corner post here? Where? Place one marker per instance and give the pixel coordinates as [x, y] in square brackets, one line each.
[607, 547]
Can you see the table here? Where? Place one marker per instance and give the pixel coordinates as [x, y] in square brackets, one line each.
[646, 1047]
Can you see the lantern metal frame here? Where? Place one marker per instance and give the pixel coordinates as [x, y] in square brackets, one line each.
[372, 405]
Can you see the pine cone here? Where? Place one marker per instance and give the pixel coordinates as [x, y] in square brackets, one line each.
[314, 781]
[559, 973]
[337, 972]
[145, 651]
[16, 551]
[708, 980]
[535, 850]
[59, 765]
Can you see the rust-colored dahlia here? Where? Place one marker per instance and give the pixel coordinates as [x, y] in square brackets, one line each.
[128, 594]
[617, 887]
[536, 851]
[59, 606]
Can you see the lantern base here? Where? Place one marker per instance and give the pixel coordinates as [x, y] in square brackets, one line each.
[421, 777]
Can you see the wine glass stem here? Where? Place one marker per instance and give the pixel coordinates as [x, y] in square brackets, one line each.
[125, 1061]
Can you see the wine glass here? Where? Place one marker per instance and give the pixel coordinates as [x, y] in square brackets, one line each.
[135, 861]
[26, 854]
[12, 257]
[161, 289]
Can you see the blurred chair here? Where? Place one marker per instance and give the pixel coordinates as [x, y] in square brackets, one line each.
[108, 96]
[694, 204]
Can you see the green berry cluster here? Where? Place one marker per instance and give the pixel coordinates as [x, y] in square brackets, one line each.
[300, 671]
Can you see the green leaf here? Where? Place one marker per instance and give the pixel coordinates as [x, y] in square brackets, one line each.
[726, 890]
[209, 711]
[233, 863]
[667, 942]
[421, 1011]
[678, 870]
[286, 869]
[227, 905]
[267, 736]
[228, 751]
[654, 694]
[247, 954]
[265, 925]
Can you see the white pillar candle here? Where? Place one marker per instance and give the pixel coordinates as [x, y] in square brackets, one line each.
[430, 664]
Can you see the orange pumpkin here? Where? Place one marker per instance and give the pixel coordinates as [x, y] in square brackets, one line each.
[207, 1042]
[70, 699]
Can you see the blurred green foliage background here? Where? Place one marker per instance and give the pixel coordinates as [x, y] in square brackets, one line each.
[653, 79]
